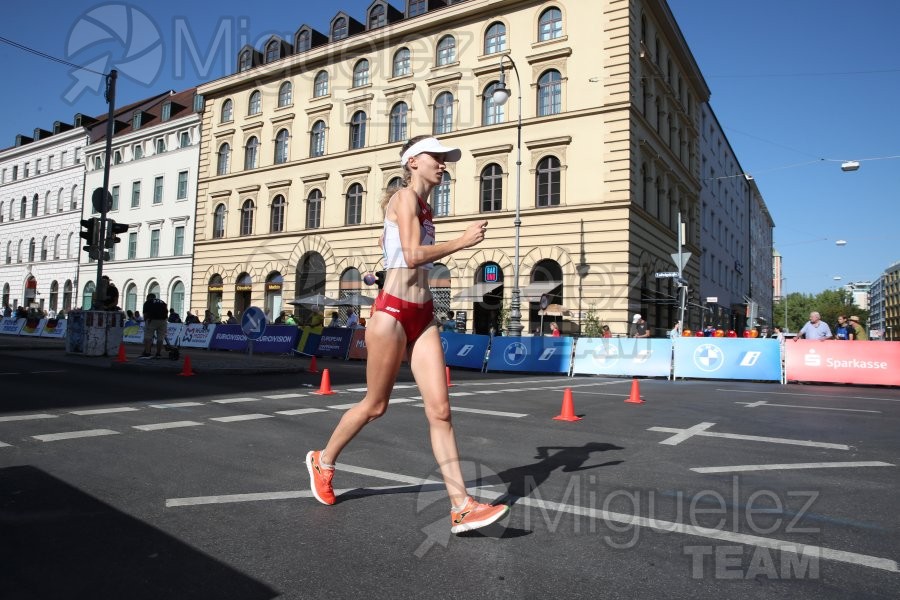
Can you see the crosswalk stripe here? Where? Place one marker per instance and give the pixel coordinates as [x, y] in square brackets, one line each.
[69, 435]
[176, 405]
[234, 400]
[104, 411]
[299, 411]
[27, 417]
[170, 425]
[249, 417]
[481, 411]
[284, 396]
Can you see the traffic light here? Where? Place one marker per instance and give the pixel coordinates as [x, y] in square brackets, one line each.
[113, 228]
[91, 233]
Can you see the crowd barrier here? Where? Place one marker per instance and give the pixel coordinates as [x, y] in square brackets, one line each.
[832, 361]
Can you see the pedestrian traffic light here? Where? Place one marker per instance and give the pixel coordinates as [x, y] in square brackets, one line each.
[91, 233]
[113, 228]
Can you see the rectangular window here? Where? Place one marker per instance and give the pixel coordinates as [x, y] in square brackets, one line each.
[182, 185]
[77, 156]
[135, 194]
[26, 170]
[166, 111]
[154, 243]
[115, 198]
[3, 177]
[179, 241]
[132, 245]
[15, 173]
[37, 167]
[62, 159]
[158, 190]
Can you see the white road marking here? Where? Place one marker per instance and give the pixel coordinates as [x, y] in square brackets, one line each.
[816, 552]
[787, 466]
[751, 438]
[284, 396]
[69, 435]
[391, 401]
[764, 403]
[2, 445]
[455, 394]
[493, 413]
[686, 434]
[362, 389]
[103, 411]
[27, 417]
[489, 391]
[299, 411]
[235, 400]
[248, 417]
[169, 425]
[176, 405]
[813, 395]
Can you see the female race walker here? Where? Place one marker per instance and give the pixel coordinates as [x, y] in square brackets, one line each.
[404, 318]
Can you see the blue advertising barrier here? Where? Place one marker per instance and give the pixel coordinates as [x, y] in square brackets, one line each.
[532, 354]
[630, 357]
[464, 350]
[728, 358]
[334, 341]
[277, 339]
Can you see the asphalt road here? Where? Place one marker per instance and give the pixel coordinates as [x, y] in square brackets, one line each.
[123, 484]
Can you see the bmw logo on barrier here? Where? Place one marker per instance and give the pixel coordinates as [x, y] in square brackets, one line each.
[515, 354]
[709, 357]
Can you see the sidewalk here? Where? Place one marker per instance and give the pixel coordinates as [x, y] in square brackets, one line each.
[202, 361]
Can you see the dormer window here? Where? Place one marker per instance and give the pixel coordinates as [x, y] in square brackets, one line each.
[304, 41]
[416, 7]
[136, 120]
[166, 113]
[377, 17]
[245, 61]
[117, 157]
[273, 51]
[339, 29]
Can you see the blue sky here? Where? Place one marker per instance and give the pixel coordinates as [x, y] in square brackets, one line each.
[792, 83]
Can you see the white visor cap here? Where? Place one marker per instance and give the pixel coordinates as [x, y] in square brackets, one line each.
[433, 146]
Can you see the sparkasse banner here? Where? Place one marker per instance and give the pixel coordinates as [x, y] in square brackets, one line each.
[834, 361]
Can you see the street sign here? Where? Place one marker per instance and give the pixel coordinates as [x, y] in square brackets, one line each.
[684, 256]
[253, 323]
[712, 299]
[101, 197]
[662, 274]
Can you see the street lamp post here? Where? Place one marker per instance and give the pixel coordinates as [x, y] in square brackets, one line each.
[500, 96]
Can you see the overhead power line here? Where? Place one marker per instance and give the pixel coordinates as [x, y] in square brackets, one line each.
[46, 56]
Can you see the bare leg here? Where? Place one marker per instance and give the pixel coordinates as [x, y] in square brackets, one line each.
[385, 340]
[427, 362]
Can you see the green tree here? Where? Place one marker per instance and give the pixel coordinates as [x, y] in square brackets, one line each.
[591, 326]
[828, 303]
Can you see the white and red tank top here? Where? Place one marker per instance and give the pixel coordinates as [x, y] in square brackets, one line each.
[393, 251]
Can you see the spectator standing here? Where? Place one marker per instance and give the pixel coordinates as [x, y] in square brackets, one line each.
[173, 316]
[190, 318]
[334, 322]
[554, 329]
[7, 311]
[449, 323]
[815, 329]
[843, 330]
[352, 319]
[606, 332]
[229, 318]
[676, 330]
[137, 317]
[208, 318]
[155, 312]
[859, 332]
[639, 327]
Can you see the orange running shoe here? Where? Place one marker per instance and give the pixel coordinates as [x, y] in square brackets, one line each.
[474, 515]
[319, 478]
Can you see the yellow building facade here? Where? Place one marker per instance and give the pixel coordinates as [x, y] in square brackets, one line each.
[301, 143]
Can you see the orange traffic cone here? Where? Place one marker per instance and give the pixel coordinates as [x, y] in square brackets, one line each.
[568, 408]
[325, 386]
[449, 385]
[635, 396]
[121, 357]
[186, 370]
[313, 368]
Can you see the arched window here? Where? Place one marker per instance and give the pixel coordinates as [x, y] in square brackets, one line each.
[550, 25]
[224, 159]
[47, 209]
[397, 126]
[54, 295]
[377, 17]
[73, 202]
[219, 222]
[354, 205]
[320, 85]
[401, 63]
[227, 111]
[339, 29]
[88, 295]
[254, 107]
[70, 246]
[443, 113]
[59, 200]
[31, 248]
[303, 41]
[495, 39]
[34, 206]
[176, 298]
[245, 61]
[276, 216]
[282, 142]
[446, 50]
[394, 184]
[131, 297]
[44, 248]
[24, 208]
[285, 94]
[358, 130]
[440, 196]
[314, 210]
[251, 153]
[56, 247]
[153, 288]
[361, 73]
[19, 252]
[317, 139]
[491, 113]
[548, 182]
[247, 210]
[1, 212]
[9, 252]
[67, 295]
[549, 93]
[491, 188]
[273, 51]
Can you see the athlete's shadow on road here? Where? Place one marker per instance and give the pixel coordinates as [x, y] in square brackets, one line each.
[522, 481]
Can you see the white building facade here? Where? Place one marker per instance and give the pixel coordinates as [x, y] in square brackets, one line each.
[41, 191]
[153, 183]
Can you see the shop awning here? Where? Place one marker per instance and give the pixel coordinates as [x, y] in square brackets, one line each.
[532, 292]
[476, 292]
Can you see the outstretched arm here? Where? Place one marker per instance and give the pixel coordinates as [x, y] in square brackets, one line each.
[405, 207]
